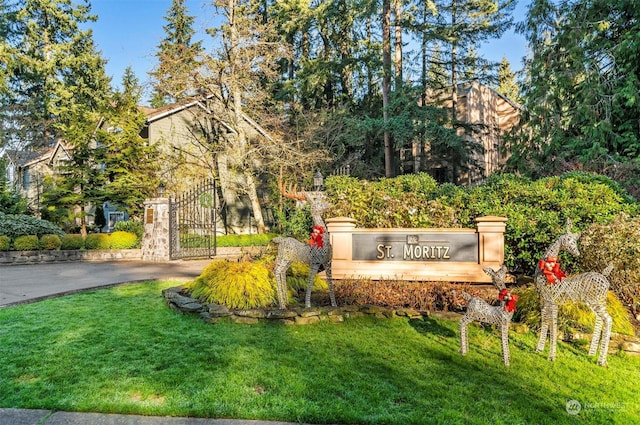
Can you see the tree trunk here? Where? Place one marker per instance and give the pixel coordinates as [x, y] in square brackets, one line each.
[386, 85]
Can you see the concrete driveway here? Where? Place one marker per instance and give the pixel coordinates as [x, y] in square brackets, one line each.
[33, 282]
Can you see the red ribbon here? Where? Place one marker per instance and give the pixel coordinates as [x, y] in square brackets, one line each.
[554, 275]
[316, 236]
[510, 300]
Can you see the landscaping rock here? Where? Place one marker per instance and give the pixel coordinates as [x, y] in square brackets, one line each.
[307, 320]
[217, 310]
[282, 314]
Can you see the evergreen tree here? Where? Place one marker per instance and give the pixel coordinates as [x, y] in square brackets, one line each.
[507, 84]
[177, 57]
[130, 165]
[53, 71]
[581, 96]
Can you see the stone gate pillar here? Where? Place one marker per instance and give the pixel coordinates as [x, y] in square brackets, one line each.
[155, 240]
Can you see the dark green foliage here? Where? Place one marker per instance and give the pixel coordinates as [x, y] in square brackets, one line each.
[72, 242]
[97, 241]
[237, 285]
[14, 225]
[50, 242]
[26, 243]
[295, 222]
[5, 243]
[572, 317]
[581, 97]
[404, 201]
[536, 211]
[132, 226]
[11, 202]
[123, 240]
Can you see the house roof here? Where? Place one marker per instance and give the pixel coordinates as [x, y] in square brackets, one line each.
[48, 155]
[155, 114]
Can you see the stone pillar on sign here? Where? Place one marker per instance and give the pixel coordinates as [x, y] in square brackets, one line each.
[156, 239]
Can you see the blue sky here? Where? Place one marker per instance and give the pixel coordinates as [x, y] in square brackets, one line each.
[128, 31]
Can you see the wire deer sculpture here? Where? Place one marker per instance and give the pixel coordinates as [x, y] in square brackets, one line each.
[292, 250]
[589, 288]
[478, 310]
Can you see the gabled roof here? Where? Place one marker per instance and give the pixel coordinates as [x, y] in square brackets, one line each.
[47, 156]
[155, 114]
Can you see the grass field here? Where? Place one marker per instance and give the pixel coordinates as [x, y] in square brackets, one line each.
[121, 350]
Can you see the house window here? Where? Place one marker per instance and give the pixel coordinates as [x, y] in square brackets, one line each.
[114, 217]
[26, 179]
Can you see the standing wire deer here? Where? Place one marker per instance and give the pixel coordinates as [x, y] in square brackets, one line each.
[292, 250]
[589, 288]
[478, 310]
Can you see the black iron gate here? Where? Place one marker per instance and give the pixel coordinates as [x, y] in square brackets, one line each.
[192, 223]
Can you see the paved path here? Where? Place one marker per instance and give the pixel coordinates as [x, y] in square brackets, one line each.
[47, 417]
[29, 283]
[33, 282]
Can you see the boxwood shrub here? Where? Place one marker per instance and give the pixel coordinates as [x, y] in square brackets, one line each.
[50, 242]
[26, 243]
[97, 241]
[73, 241]
[5, 243]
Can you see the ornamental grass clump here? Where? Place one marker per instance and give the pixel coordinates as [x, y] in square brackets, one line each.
[617, 243]
[237, 285]
[572, 317]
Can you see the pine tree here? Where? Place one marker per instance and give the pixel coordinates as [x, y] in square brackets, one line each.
[177, 57]
[130, 164]
[507, 84]
[54, 70]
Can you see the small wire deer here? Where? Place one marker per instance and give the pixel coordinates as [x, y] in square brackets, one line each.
[292, 250]
[590, 288]
[478, 310]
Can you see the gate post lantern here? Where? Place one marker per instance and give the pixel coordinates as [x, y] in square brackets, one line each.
[155, 239]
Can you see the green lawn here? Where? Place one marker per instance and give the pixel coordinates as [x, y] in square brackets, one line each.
[121, 350]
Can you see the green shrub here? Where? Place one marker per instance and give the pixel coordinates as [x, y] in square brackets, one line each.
[132, 226]
[236, 285]
[50, 242]
[97, 241]
[74, 241]
[618, 243]
[5, 243]
[14, 225]
[405, 201]
[572, 317]
[244, 240]
[124, 240]
[536, 211]
[25, 243]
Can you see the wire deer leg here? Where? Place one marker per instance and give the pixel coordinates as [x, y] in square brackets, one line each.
[544, 327]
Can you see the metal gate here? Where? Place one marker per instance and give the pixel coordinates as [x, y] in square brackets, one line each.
[192, 223]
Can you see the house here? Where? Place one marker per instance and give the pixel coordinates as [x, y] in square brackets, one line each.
[26, 171]
[188, 135]
[491, 114]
